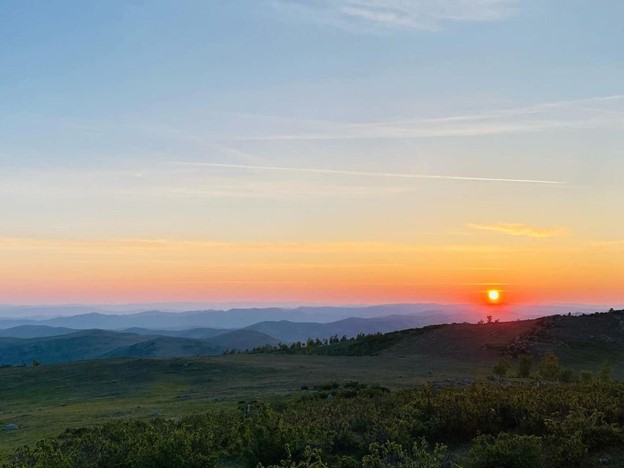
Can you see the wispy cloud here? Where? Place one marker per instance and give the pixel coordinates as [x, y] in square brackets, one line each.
[596, 112]
[399, 175]
[427, 15]
[140, 246]
[513, 229]
[608, 243]
[161, 182]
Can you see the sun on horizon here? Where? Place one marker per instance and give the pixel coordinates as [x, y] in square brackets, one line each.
[493, 296]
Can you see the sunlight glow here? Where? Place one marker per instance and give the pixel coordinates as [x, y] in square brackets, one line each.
[493, 295]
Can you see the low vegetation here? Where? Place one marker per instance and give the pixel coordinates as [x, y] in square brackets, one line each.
[509, 394]
[350, 425]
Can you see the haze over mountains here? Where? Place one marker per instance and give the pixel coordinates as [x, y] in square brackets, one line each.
[95, 335]
[128, 316]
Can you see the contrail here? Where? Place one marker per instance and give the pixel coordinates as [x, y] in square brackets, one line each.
[368, 174]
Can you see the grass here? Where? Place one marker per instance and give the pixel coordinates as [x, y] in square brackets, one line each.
[45, 400]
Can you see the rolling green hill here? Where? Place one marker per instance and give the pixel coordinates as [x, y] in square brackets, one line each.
[98, 344]
[44, 400]
[580, 340]
[102, 344]
[90, 344]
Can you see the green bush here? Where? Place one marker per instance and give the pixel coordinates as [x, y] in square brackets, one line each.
[502, 367]
[361, 424]
[524, 366]
[506, 451]
[586, 377]
[604, 374]
[566, 375]
[393, 454]
[311, 459]
[581, 431]
[548, 367]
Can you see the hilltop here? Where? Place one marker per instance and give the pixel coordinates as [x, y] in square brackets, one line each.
[578, 338]
[581, 339]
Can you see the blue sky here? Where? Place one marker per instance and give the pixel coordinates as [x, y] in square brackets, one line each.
[288, 121]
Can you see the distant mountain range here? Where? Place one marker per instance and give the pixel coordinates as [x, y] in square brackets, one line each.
[101, 344]
[154, 333]
[34, 331]
[287, 331]
[44, 341]
[233, 318]
[88, 317]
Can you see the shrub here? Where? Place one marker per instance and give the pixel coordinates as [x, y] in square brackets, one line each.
[311, 459]
[566, 375]
[579, 432]
[360, 425]
[524, 366]
[549, 367]
[506, 450]
[568, 451]
[586, 377]
[502, 367]
[604, 374]
[393, 454]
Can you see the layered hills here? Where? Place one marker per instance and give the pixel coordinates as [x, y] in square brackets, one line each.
[584, 337]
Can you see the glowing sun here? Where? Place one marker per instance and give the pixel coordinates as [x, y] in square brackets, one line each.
[493, 296]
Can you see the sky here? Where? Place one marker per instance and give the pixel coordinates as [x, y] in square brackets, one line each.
[321, 151]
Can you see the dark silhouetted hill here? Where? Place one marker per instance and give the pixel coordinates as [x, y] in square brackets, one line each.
[195, 333]
[288, 332]
[244, 339]
[166, 346]
[578, 339]
[98, 344]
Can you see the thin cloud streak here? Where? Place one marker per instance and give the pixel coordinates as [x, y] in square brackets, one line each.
[149, 245]
[557, 115]
[420, 15]
[367, 173]
[608, 243]
[514, 229]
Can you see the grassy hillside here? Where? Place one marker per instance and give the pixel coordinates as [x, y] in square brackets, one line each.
[44, 400]
[484, 425]
[580, 340]
[464, 342]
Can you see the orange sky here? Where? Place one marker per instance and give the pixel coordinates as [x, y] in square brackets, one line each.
[304, 151]
[134, 270]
